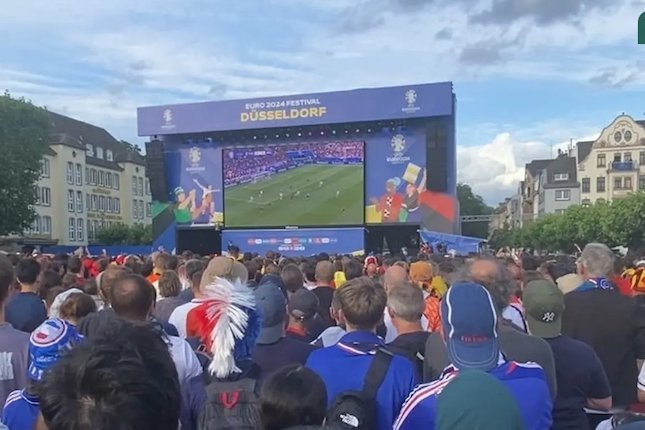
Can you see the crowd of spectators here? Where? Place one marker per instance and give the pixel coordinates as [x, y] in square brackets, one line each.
[335, 342]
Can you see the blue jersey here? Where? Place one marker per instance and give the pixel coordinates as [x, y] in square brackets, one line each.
[525, 381]
[20, 411]
[344, 366]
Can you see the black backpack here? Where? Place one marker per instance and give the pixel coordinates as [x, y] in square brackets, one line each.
[231, 405]
[357, 409]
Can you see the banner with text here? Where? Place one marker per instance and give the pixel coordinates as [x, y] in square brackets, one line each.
[302, 242]
[412, 101]
[194, 179]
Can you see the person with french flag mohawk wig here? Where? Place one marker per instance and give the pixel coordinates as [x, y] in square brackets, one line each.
[228, 324]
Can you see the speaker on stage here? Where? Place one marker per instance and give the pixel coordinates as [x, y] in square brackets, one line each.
[155, 170]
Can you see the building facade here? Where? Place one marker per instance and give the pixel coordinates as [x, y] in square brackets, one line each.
[89, 180]
[558, 187]
[613, 165]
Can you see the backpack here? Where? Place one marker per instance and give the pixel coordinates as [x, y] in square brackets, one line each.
[354, 409]
[231, 405]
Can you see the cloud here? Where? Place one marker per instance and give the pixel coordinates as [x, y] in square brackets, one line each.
[542, 12]
[481, 53]
[444, 34]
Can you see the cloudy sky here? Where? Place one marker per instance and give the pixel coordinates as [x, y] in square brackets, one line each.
[529, 74]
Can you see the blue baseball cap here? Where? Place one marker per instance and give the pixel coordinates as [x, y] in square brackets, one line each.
[47, 344]
[470, 327]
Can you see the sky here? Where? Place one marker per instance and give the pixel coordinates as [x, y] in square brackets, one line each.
[529, 75]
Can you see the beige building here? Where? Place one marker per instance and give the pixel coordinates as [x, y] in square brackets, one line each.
[89, 180]
[613, 165]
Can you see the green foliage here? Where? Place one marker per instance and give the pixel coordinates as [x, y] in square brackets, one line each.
[472, 204]
[621, 222]
[122, 234]
[24, 134]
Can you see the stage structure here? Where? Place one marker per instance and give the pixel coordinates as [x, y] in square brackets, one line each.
[303, 174]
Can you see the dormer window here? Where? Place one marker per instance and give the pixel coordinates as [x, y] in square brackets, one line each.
[99, 152]
[561, 177]
[109, 156]
[89, 150]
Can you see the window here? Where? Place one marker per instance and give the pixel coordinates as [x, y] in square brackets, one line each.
[618, 183]
[628, 182]
[102, 203]
[142, 213]
[134, 185]
[117, 205]
[600, 185]
[70, 173]
[88, 202]
[79, 229]
[70, 201]
[147, 186]
[79, 202]
[99, 152]
[641, 158]
[116, 181]
[641, 182]
[101, 178]
[617, 157]
[586, 202]
[110, 205]
[90, 230]
[140, 187]
[87, 175]
[79, 174]
[562, 195]
[602, 162]
[148, 209]
[134, 209]
[37, 193]
[109, 156]
[97, 227]
[71, 229]
[44, 168]
[47, 225]
[95, 202]
[36, 224]
[108, 180]
[46, 199]
[561, 177]
[627, 157]
[586, 185]
[89, 150]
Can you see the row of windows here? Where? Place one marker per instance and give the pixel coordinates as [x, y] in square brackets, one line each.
[137, 186]
[43, 196]
[89, 150]
[601, 159]
[137, 209]
[94, 226]
[102, 178]
[620, 183]
[75, 229]
[41, 225]
[103, 204]
[74, 175]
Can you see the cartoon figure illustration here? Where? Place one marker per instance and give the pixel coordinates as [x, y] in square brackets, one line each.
[185, 205]
[389, 205]
[203, 213]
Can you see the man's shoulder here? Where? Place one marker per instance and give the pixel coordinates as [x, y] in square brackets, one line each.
[12, 399]
[429, 390]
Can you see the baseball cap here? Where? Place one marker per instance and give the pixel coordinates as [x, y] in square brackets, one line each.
[272, 307]
[544, 304]
[224, 267]
[470, 327]
[420, 271]
[303, 304]
[48, 343]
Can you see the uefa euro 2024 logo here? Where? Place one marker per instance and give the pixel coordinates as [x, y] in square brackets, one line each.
[167, 116]
[195, 155]
[398, 144]
[411, 97]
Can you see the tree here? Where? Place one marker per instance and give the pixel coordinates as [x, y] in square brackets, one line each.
[122, 234]
[472, 204]
[24, 135]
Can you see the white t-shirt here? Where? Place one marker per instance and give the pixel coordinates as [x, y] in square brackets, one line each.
[179, 316]
[186, 361]
[514, 315]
